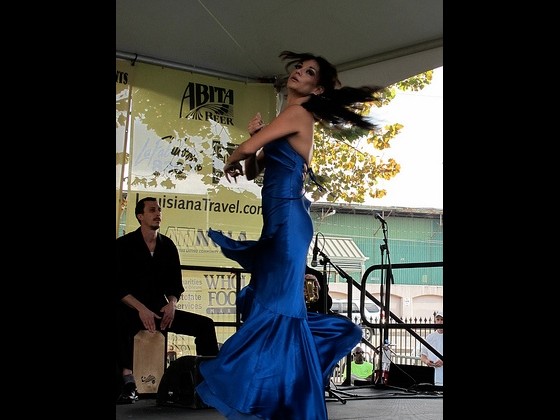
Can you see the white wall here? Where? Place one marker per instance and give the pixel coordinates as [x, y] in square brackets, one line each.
[407, 301]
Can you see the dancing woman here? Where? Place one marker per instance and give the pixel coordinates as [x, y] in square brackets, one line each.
[277, 365]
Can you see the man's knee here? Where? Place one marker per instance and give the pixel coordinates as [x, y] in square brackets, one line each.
[208, 323]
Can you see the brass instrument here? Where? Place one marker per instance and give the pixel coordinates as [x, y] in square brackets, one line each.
[311, 289]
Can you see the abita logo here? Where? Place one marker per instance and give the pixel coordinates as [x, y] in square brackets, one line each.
[205, 102]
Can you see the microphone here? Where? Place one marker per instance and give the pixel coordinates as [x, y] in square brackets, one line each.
[381, 219]
[315, 252]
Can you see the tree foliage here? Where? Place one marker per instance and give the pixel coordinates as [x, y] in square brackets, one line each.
[344, 161]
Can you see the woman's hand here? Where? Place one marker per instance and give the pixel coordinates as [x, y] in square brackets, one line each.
[255, 124]
[233, 170]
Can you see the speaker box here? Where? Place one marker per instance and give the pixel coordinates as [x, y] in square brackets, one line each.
[178, 384]
[410, 376]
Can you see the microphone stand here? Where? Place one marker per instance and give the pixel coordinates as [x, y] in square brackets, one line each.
[324, 288]
[387, 278]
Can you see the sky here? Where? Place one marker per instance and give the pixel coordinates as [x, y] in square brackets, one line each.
[418, 148]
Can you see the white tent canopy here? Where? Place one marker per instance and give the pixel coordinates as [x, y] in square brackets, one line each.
[343, 252]
[371, 42]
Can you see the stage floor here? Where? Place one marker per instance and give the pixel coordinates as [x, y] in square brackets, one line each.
[365, 402]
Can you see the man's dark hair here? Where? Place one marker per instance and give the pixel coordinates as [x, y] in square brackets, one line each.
[139, 209]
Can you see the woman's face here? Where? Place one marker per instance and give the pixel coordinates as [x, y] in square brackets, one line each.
[304, 78]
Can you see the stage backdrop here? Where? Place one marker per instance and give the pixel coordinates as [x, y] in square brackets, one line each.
[175, 130]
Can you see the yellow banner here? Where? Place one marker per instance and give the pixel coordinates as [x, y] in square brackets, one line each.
[187, 217]
[124, 80]
[183, 128]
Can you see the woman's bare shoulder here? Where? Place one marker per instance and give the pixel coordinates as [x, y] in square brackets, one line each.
[295, 109]
[296, 112]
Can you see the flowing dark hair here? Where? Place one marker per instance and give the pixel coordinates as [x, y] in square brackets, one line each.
[337, 105]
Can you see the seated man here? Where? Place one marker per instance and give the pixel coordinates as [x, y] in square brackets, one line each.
[149, 284]
[360, 368]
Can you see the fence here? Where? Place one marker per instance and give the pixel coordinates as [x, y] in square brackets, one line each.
[404, 346]
[402, 336]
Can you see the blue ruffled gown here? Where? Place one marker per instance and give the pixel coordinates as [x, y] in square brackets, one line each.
[277, 365]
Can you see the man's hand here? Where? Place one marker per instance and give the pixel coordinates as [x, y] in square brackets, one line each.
[148, 319]
[168, 315]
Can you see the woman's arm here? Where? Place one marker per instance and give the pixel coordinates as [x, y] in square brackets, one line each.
[254, 165]
[289, 123]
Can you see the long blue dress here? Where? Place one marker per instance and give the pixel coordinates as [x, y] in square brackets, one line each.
[277, 365]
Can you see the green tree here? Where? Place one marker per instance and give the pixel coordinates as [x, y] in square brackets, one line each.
[344, 162]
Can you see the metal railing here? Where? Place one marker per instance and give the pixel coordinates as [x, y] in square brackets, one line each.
[404, 335]
[404, 347]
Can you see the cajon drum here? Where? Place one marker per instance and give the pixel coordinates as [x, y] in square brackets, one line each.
[149, 360]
